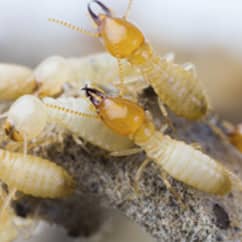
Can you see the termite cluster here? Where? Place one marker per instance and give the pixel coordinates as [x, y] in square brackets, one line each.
[105, 113]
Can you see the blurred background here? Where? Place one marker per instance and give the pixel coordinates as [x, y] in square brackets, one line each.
[206, 33]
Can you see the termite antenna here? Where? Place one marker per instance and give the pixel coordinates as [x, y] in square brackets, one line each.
[128, 9]
[73, 27]
[94, 16]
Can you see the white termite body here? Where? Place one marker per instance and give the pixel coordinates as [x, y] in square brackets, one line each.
[15, 81]
[28, 116]
[34, 176]
[188, 165]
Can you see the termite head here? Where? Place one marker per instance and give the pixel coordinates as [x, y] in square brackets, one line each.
[26, 118]
[121, 38]
[121, 115]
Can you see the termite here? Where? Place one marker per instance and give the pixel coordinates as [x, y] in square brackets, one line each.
[176, 158]
[28, 116]
[176, 85]
[15, 81]
[47, 79]
[34, 176]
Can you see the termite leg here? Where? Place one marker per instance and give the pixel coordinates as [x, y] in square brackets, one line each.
[171, 189]
[218, 131]
[191, 68]
[80, 142]
[75, 28]
[165, 114]
[139, 174]
[7, 200]
[126, 152]
[128, 9]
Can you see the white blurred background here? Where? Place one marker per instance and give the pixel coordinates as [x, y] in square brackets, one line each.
[207, 33]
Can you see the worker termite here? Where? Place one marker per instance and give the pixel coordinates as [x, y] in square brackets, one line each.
[181, 161]
[15, 81]
[28, 116]
[47, 79]
[176, 85]
[34, 176]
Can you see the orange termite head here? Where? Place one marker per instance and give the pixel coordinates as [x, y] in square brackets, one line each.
[121, 115]
[121, 38]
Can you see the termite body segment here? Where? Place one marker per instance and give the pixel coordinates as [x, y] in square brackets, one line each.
[178, 159]
[51, 75]
[15, 81]
[34, 176]
[28, 117]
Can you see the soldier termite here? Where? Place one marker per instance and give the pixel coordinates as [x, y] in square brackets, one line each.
[176, 158]
[28, 116]
[176, 85]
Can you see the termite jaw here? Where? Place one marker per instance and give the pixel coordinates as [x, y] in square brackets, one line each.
[98, 18]
[95, 96]
[11, 132]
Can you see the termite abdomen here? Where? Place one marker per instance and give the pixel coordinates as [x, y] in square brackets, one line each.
[34, 176]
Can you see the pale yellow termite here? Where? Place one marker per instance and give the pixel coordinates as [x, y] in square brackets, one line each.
[28, 116]
[15, 81]
[47, 79]
[176, 85]
[34, 176]
[181, 161]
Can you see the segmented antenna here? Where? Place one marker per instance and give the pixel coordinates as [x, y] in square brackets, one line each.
[73, 27]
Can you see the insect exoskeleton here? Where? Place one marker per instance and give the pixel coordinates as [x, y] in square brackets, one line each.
[34, 176]
[28, 116]
[15, 81]
[77, 116]
[176, 85]
[52, 74]
[103, 69]
[178, 159]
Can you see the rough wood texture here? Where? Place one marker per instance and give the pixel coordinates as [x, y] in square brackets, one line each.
[107, 182]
